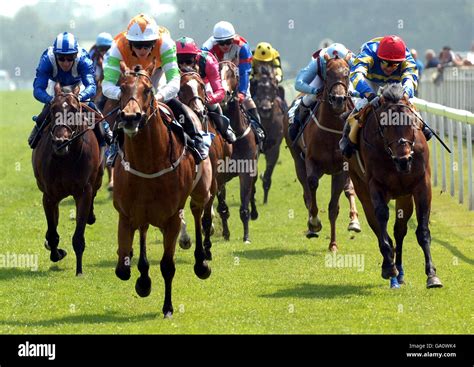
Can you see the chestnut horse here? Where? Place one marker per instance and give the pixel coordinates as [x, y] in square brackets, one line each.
[272, 111]
[319, 145]
[243, 162]
[393, 163]
[193, 94]
[74, 169]
[154, 175]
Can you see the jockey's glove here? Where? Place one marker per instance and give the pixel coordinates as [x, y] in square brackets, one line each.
[375, 102]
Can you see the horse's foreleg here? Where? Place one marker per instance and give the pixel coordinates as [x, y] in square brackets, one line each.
[223, 211]
[143, 284]
[422, 198]
[83, 209]
[314, 223]
[379, 202]
[184, 239]
[403, 212]
[253, 205]
[271, 157]
[167, 266]
[207, 222]
[337, 185]
[125, 242]
[51, 242]
[201, 267]
[110, 172]
[246, 183]
[354, 224]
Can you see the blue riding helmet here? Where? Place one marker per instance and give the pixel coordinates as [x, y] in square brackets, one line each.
[65, 44]
[104, 39]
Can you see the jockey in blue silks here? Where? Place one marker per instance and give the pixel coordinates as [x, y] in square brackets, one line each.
[66, 63]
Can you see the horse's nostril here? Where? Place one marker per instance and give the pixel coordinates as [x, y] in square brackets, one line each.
[122, 115]
[138, 116]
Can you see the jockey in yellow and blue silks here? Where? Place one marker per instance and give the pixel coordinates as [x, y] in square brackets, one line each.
[64, 62]
[381, 61]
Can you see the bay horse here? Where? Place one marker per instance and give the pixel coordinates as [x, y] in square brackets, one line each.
[393, 163]
[317, 150]
[193, 93]
[271, 110]
[75, 170]
[154, 175]
[243, 162]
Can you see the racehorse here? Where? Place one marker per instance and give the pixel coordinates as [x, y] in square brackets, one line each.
[154, 175]
[193, 94]
[65, 167]
[393, 163]
[243, 162]
[271, 110]
[317, 151]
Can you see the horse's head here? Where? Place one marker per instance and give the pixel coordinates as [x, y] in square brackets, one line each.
[266, 91]
[230, 80]
[192, 91]
[398, 125]
[336, 88]
[66, 114]
[136, 99]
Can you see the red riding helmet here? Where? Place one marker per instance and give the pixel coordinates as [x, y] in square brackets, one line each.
[186, 45]
[391, 48]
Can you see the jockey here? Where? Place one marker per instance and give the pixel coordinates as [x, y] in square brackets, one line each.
[265, 54]
[205, 62]
[381, 60]
[225, 44]
[66, 63]
[142, 43]
[97, 52]
[310, 80]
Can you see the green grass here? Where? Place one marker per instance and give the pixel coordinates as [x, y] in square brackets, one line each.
[278, 284]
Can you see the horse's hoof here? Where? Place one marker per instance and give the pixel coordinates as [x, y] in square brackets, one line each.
[123, 273]
[46, 245]
[110, 187]
[354, 226]
[311, 234]
[253, 215]
[185, 242]
[433, 282]
[203, 270]
[79, 274]
[91, 219]
[226, 236]
[143, 286]
[394, 283]
[401, 279]
[246, 241]
[57, 256]
[389, 272]
[333, 247]
[168, 315]
[315, 227]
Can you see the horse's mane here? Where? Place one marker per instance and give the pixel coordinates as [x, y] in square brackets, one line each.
[393, 92]
[188, 69]
[68, 88]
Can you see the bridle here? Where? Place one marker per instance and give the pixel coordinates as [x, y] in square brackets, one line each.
[400, 141]
[65, 125]
[194, 75]
[232, 95]
[331, 99]
[145, 117]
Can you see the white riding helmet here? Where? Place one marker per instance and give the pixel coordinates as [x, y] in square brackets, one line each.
[223, 31]
[337, 50]
[142, 28]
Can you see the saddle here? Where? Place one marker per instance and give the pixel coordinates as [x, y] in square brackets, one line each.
[168, 118]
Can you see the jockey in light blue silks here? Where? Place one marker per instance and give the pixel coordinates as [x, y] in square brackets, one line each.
[310, 80]
[66, 63]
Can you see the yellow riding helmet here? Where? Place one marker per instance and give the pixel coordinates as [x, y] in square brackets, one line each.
[263, 52]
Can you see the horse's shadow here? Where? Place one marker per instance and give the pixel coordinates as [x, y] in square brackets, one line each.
[268, 253]
[107, 317]
[155, 262]
[322, 291]
[8, 274]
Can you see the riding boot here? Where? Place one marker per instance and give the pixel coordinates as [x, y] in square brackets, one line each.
[345, 144]
[114, 148]
[199, 147]
[256, 124]
[222, 123]
[35, 134]
[301, 114]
